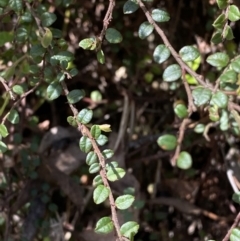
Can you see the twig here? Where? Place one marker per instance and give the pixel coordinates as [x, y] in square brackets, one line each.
[37, 20]
[236, 221]
[182, 129]
[233, 106]
[124, 120]
[191, 107]
[17, 102]
[176, 56]
[3, 81]
[107, 19]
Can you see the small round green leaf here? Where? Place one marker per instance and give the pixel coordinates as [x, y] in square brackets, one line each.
[228, 33]
[201, 96]
[85, 116]
[160, 16]
[233, 13]
[114, 174]
[230, 76]
[95, 131]
[47, 38]
[100, 57]
[184, 160]
[235, 65]
[219, 99]
[167, 142]
[72, 121]
[100, 194]
[235, 234]
[16, 5]
[124, 201]
[111, 165]
[3, 147]
[19, 89]
[108, 153]
[75, 95]
[85, 144]
[96, 96]
[216, 37]
[104, 225]
[97, 180]
[145, 30]
[94, 168]
[113, 36]
[54, 90]
[101, 140]
[161, 53]
[213, 113]
[62, 57]
[224, 121]
[220, 21]
[3, 130]
[130, 7]
[129, 229]
[88, 43]
[189, 53]
[199, 128]
[48, 19]
[181, 111]
[91, 158]
[218, 59]
[222, 4]
[13, 117]
[236, 197]
[172, 73]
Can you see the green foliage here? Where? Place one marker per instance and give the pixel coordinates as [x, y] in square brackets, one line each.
[113, 36]
[129, 229]
[130, 7]
[172, 73]
[235, 234]
[75, 95]
[167, 142]
[36, 60]
[160, 15]
[201, 96]
[145, 30]
[124, 201]
[100, 194]
[184, 160]
[161, 53]
[104, 225]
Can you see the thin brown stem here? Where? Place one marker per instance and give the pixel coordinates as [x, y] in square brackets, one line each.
[107, 19]
[180, 139]
[191, 107]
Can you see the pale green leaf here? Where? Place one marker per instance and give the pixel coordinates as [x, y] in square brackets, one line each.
[145, 30]
[100, 194]
[161, 53]
[184, 160]
[104, 225]
[172, 73]
[167, 142]
[218, 59]
[160, 15]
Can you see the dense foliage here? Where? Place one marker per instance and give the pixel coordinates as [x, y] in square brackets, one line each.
[119, 118]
